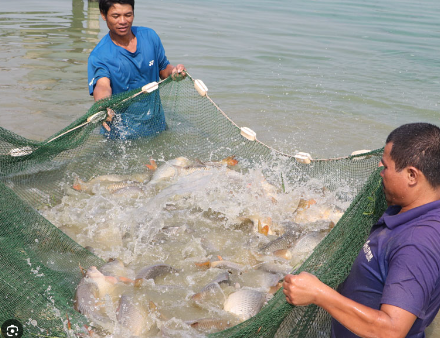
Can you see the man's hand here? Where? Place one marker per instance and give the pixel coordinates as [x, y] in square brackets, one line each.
[110, 116]
[178, 73]
[301, 289]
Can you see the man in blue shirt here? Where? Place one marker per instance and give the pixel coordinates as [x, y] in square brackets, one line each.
[393, 289]
[129, 57]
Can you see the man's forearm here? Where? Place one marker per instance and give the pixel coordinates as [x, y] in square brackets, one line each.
[101, 93]
[390, 321]
[164, 73]
[360, 319]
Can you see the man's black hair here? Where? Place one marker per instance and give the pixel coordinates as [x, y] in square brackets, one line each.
[104, 5]
[417, 145]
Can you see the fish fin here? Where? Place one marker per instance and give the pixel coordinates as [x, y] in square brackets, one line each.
[283, 253]
[78, 184]
[230, 160]
[89, 331]
[153, 307]
[152, 166]
[203, 264]
[138, 282]
[197, 296]
[264, 229]
[125, 280]
[83, 271]
[305, 204]
[274, 289]
[69, 325]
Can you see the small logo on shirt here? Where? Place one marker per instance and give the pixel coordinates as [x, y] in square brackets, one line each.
[151, 63]
[91, 82]
[367, 251]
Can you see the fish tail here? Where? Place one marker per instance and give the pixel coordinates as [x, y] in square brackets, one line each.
[152, 166]
[264, 230]
[69, 325]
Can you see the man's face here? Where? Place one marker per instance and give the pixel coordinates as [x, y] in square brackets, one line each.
[119, 19]
[395, 183]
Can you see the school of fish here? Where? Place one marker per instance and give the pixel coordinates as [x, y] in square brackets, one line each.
[191, 247]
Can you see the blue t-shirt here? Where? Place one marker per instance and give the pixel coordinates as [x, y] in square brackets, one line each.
[126, 71]
[399, 265]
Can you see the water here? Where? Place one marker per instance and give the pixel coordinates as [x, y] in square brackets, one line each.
[324, 77]
[187, 219]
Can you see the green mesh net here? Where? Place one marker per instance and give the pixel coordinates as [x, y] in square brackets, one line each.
[39, 263]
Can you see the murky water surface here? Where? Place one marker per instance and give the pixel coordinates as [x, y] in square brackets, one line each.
[198, 223]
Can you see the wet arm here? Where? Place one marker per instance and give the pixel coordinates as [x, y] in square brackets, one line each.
[101, 91]
[390, 321]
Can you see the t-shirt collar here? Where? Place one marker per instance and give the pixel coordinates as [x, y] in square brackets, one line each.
[393, 219]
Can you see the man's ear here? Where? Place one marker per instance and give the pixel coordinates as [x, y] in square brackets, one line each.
[413, 175]
[103, 16]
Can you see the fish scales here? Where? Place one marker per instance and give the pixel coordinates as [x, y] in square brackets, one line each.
[245, 303]
[285, 241]
[227, 265]
[132, 316]
[154, 271]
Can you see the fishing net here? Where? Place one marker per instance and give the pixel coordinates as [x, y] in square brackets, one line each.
[39, 262]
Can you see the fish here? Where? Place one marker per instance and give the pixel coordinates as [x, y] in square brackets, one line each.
[222, 264]
[310, 211]
[210, 324]
[305, 245]
[168, 170]
[222, 278]
[260, 278]
[275, 267]
[182, 166]
[228, 161]
[245, 303]
[91, 292]
[111, 181]
[116, 268]
[283, 242]
[133, 316]
[152, 272]
[257, 223]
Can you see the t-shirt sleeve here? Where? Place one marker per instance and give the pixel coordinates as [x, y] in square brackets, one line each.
[161, 57]
[413, 273]
[96, 69]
